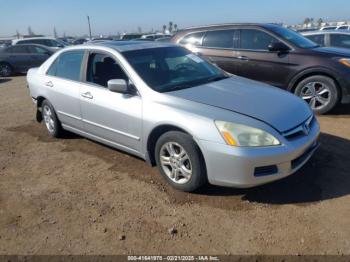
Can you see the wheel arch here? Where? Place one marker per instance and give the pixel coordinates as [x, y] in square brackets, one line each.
[39, 101]
[154, 136]
[313, 72]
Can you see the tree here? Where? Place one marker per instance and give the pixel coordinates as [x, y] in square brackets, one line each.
[54, 32]
[164, 28]
[311, 20]
[306, 21]
[30, 31]
[175, 27]
[319, 21]
[170, 27]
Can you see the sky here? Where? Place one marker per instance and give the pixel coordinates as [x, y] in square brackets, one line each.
[113, 16]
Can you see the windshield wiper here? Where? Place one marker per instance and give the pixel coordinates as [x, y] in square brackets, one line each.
[216, 78]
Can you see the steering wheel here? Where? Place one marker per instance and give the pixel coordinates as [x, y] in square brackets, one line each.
[184, 67]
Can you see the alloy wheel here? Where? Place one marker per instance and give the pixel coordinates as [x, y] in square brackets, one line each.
[316, 94]
[48, 119]
[175, 162]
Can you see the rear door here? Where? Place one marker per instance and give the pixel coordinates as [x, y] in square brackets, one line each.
[19, 58]
[256, 62]
[218, 47]
[113, 117]
[62, 82]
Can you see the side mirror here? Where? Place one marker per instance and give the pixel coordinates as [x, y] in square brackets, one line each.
[278, 47]
[118, 86]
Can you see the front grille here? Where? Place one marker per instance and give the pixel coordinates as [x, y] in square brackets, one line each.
[265, 170]
[300, 130]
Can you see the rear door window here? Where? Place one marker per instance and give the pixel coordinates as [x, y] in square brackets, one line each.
[18, 49]
[340, 40]
[67, 65]
[253, 39]
[219, 39]
[318, 39]
[193, 39]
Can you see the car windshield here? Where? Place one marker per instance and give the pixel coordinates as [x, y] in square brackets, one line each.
[293, 37]
[172, 68]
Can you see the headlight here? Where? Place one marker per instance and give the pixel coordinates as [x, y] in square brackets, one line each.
[345, 61]
[241, 135]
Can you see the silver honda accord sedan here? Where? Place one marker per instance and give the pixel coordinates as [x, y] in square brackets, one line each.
[176, 110]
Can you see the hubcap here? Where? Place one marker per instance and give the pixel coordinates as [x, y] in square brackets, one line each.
[5, 70]
[48, 118]
[316, 94]
[175, 162]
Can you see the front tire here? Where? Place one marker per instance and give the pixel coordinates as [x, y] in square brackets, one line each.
[53, 125]
[320, 92]
[180, 161]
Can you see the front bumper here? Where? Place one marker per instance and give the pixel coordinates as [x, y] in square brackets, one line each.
[237, 167]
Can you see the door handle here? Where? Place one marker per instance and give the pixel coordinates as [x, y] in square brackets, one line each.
[243, 58]
[49, 84]
[87, 95]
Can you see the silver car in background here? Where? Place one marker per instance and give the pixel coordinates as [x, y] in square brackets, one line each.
[162, 103]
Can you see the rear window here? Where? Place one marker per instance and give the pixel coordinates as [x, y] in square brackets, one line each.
[340, 40]
[67, 65]
[318, 39]
[219, 39]
[17, 49]
[193, 39]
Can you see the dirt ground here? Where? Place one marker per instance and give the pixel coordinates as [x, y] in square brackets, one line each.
[75, 196]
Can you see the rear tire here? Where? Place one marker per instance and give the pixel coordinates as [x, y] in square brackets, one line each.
[53, 125]
[5, 69]
[180, 161]
[320, 92]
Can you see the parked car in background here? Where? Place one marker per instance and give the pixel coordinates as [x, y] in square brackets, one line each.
[153, 37]
[174, 109]
[20, 58]
[130, 36]
[45, 41]
[79, 41]
[334, 38]
[5, 43]
[343, 27]
[277, 56]
[328, 28]
[163, 39]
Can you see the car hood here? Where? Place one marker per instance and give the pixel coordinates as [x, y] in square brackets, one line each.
[334, 51]
[278, 108]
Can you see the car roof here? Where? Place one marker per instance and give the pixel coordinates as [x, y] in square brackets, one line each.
[14, 41]
[122, 46]
[33, 38]
[343, 32]
[227, 25]
[42, 46]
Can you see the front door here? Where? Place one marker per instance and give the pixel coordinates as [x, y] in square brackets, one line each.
[255, 61]
[111, 116]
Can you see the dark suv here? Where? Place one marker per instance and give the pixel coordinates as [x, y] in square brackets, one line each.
[277, 56]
